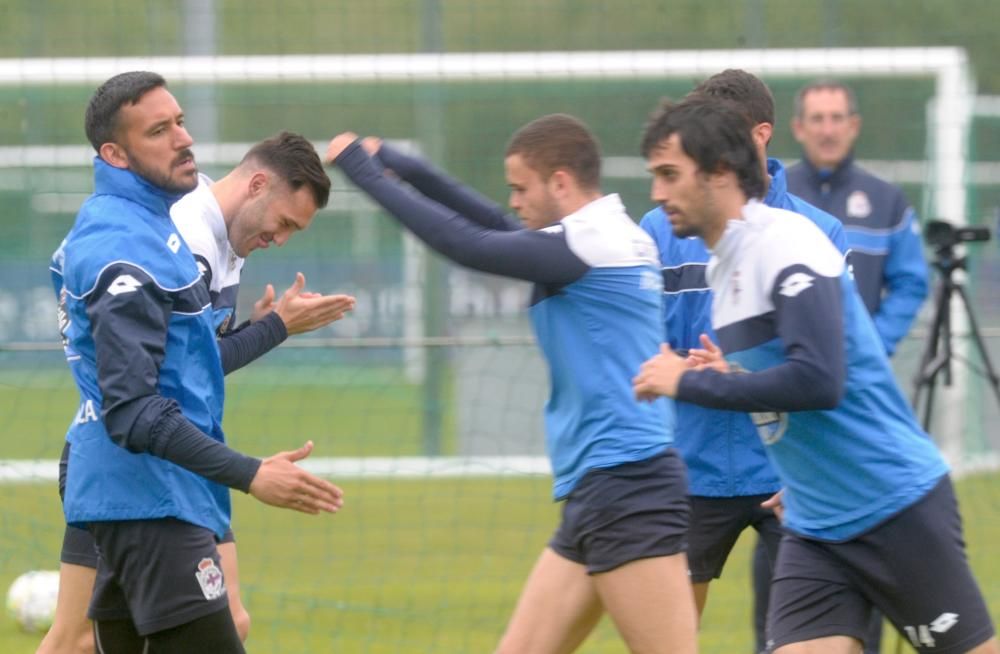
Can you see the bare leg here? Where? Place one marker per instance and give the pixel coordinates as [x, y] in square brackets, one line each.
[826, 645]
[700, 597]
[231, 573]
[557, 609]
[652, 605]
[71, 632]
[989, 647]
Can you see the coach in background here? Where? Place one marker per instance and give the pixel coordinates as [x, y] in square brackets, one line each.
[882, 229]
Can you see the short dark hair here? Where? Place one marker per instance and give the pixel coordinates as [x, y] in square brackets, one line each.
[294, 159]
[712, 133]
[559, 142]
[101, 120]
[744, 89]
[825, 85]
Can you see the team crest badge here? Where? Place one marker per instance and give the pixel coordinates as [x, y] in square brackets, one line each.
[210, 579]
[858, 205]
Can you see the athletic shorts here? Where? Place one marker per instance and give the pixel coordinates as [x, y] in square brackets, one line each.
[716, 524]
[158, 573]
[625, 513]
[912, 567]
[79, 548]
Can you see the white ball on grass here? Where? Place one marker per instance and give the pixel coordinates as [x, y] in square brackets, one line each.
[31, 600]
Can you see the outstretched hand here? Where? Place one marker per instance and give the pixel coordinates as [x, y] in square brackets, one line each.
[279, 482]
[338, 145]
[302, 311]
[659, 375]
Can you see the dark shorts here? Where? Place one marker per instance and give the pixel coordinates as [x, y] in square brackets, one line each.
[158, 573]
[716, 524]
[79, 548]
[912, 567]
[625, 513]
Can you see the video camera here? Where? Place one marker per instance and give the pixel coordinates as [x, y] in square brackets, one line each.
[942, 235]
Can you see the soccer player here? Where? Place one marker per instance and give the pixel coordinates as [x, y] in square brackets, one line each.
[729, 477]
[882, 228]
[149, 472]
[221, 223]
[596, 310]
[869, 511]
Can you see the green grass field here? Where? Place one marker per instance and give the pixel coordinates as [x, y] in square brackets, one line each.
[410, 565]
[418, 565]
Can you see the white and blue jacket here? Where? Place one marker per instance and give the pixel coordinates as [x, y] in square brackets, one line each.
[723, 455]
[884, 234]
[140, 340]
[841, 436]
[596, 306]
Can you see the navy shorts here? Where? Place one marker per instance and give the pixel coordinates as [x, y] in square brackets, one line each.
[79, 548]
[912, 567]
[716, 525]
[158, 573]
[625, 513]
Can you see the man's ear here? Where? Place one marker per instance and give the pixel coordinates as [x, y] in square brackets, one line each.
[761, 134]
[114, 155]
[257, 184]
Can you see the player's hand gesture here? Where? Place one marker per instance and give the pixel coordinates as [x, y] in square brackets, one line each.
[302, 311]
[776, 504]
[659, 375]
[371, 144]
[708, 357]
[338, 145]
[279, 482]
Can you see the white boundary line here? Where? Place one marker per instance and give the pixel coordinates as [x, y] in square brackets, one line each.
[26, 471]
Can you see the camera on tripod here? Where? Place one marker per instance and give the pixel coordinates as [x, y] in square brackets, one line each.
[942, 235]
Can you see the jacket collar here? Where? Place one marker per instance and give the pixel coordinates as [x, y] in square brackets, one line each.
[124, 183]
[778, 186]
[834, 176]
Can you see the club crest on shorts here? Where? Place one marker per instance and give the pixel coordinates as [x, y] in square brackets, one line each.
[210, 579]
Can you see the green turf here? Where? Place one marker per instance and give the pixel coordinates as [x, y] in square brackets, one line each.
[419, 565]
[345, 411]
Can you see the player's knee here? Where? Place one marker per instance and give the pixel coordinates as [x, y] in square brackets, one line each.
[241, 618]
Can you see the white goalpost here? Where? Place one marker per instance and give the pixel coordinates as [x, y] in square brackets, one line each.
[949, 112]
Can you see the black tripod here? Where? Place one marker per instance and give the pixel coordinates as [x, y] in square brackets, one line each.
[938, 353]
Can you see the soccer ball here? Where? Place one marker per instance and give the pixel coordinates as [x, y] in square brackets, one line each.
[31, 600]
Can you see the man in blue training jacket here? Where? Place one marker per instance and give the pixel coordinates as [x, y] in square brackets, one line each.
[149, 471]
[729, 476]
[869, 511]
[887, 257]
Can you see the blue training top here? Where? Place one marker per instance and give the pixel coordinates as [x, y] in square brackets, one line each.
[596, 306]
[721, 449]
[140, 341]
[842, 437]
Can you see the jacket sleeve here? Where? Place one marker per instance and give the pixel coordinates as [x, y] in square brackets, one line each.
[443, 189]
[809, 321]
[904, 282]
[129, 317]
[250, 341]
[540, 256]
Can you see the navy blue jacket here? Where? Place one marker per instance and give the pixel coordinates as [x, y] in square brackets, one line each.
[886, 254]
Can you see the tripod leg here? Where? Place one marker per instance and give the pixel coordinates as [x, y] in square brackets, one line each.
[977, 338]
[931, 362]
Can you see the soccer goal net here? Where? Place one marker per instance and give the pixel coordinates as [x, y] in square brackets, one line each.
[425, 405]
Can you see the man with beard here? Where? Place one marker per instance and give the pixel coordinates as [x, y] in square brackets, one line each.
[149, 471]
